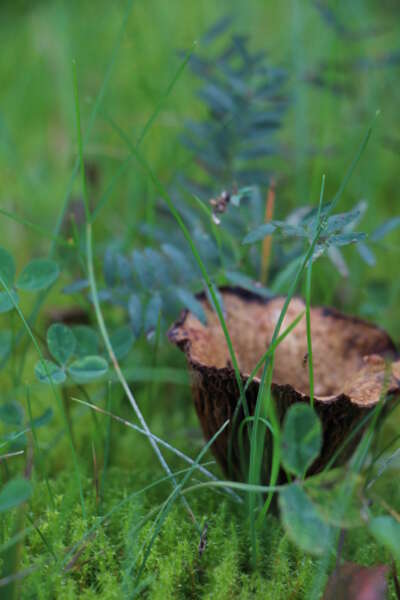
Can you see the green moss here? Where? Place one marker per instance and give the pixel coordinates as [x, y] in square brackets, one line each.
[107, 562]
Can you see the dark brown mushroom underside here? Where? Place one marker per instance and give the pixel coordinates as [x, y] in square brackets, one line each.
[349, 358]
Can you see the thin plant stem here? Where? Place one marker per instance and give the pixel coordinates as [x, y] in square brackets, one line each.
[267, 243]
[98, 311]
[308, 306]
[107, 446]
[171, 499]
[159, 441]
[37, 448]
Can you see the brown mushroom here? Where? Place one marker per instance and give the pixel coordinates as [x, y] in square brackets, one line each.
[350, 359]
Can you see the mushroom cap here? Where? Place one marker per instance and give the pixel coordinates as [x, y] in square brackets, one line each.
[350, 360]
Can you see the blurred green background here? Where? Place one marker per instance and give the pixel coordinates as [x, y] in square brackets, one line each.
[353, 62]
[343, 63]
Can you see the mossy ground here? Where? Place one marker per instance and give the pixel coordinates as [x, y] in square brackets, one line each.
[105, 561]
[105, 565]
[37, 151]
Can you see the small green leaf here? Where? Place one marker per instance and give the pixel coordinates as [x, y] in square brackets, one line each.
[5, 343]
[87, 340]
[7, 267]
[6, 303]
[366, 254]
[43, 419]
[301, 438]
[87, 369]
[343, 239]
[284, 228]
[338, 261]
[61, 342]
[140, 269]
[182, 266]
[153, 310]
[259, 233]
[190, 302]
[122, 341]
[39, 274]
[49, 372]
[247, 283]
[302, 522]
[340, 221]
[337, 496]
[14, 493]
[135, 313]
[246, 192]
[15, 441]
[386, 531]
[11, 413]
[385, 228]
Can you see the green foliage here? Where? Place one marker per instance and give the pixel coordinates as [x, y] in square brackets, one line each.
[49, 372]
[38, 275]
[7, 302]
[301, 438]
[61, 342]
[5, 343]
[122, 340]
[87, 369]
[87, 341]
[11, 413]
[337, 495]
[302, 521]
[386, 530]
[14, 493]
[245, 100]
[76, 352]
[238, 137]
[7, 267]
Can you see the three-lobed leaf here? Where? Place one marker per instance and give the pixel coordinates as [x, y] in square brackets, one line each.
[49, 372]
[88, 369]
[8, 301]
[301, 438]
[61, 342]
[337, 495]
[38, 275]
[87, 340]
[302, 522]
